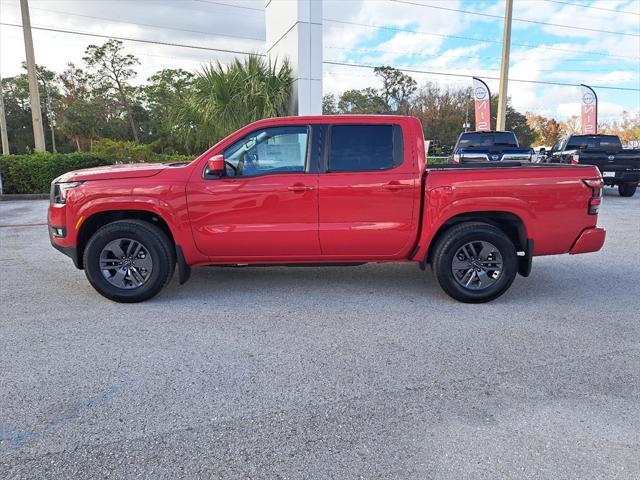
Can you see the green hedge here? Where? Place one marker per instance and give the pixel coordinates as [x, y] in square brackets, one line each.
[436, 161]
[33, 173]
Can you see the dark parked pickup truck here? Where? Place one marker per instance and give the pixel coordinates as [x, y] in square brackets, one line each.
[489, 147]
[618, 166]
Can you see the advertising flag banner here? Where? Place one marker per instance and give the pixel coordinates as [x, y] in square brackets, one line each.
[589, 110]
[482, 101]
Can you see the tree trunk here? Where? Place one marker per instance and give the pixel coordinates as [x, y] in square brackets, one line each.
[127, 107]
[77, 139]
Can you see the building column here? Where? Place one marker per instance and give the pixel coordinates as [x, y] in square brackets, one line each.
[294, 31]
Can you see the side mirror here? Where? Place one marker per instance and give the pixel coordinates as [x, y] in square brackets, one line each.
[215, 164]
[543, 151]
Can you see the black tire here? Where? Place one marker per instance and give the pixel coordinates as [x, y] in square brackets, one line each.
[458, 237]
[154, 241]
[627, 189]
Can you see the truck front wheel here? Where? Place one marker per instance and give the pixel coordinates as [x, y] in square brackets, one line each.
[474, 262]
[129, 260]
[627, 189]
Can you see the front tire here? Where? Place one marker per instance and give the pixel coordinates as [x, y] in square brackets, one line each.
[627, 189]
[129, 261]
[474, 262]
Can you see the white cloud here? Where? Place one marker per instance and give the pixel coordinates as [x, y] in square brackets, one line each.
[200, 23]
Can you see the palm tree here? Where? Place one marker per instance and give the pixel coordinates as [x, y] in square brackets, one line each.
[225, 98]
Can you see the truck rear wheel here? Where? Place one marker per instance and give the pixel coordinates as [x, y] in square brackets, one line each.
[129, 261]
[475, 262]
[627, 189]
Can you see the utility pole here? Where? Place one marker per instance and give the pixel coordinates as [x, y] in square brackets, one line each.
[504, 67]
[3, 124]
[36, 113]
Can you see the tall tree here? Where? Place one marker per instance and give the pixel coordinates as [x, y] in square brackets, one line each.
[571, 125]
[225, 98]
[164, 94]
[548, 130]
[365, 101]
[113, 69]
[329, 104]
[442, 111]
[397, 89]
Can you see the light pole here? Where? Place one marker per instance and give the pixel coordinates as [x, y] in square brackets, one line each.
[504, 68]
[34, 95]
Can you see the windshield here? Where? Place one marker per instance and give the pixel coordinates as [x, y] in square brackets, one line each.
[488, 139]
[594, 142]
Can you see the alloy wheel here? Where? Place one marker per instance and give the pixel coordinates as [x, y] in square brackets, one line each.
[477, 265]
[126, 263]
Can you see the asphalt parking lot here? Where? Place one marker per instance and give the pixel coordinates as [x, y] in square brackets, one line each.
[300, 373]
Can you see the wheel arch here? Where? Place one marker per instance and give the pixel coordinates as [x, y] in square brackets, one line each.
[511, 224]
[97, 220]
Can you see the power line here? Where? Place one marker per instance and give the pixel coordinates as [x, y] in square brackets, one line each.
[454, 56]
[128, 39]
[480, 14]
[244, 7]
[447, 74]
[196, 47]
[479, 40]
[147, 24]
[591, 6]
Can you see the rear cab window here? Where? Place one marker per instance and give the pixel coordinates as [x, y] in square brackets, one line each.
[489, 139]
[360, 148]
[594, 142]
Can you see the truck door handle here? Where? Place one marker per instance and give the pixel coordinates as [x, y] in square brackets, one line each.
[395, 185]
[299, 187]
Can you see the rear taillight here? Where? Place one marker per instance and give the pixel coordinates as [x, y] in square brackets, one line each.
[595, 184]
[456, 158]
[574, 159]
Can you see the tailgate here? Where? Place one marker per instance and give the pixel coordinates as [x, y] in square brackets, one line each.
[614, 161]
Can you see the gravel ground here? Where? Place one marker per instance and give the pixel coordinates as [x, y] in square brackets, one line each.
[365, 372]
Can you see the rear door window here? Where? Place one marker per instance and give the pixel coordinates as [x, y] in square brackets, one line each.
[357, 148]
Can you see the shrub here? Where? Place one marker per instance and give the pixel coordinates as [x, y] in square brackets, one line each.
[33, 173]
[126, 151]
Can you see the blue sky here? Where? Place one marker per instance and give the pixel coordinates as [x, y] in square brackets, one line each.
[553, 53]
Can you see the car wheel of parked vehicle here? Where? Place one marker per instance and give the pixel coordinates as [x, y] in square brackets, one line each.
[474, 262]
[129, 260]
[627, 189]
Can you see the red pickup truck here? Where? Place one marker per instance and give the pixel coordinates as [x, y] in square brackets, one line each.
[322, 190]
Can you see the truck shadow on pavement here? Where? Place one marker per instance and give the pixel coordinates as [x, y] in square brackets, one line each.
[551, 281]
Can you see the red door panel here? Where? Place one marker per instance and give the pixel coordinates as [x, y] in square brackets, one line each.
[366, 213]
[265, 216]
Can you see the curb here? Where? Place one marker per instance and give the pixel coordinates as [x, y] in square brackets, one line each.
[24, 196]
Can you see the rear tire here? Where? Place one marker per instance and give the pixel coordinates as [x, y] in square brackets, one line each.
[139, 257]
[627, 189]
[474, 262]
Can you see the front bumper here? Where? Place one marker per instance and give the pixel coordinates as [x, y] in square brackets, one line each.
[590, 240]
[59, 233]
[70, 252]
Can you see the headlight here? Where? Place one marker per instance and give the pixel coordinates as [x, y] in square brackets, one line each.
[59, 191]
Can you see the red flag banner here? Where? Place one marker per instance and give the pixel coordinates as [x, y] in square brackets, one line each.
[482, 101]
[589, 110]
